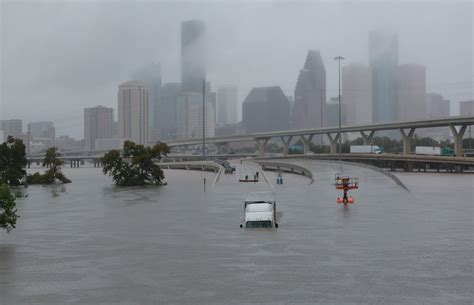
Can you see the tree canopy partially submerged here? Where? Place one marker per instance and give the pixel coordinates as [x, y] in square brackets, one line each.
[54, 172]
[8, 211]
[12, 161]
[136, 165]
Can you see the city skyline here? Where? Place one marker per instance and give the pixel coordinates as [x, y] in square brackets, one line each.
[239, 44]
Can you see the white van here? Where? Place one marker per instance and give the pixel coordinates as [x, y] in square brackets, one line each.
[259, 211]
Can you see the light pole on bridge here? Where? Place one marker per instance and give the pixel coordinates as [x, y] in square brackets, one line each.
[203, 119]
[339, 58]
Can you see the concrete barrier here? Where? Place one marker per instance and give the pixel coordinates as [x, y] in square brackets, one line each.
[367, 166]
[285, 167]
[208, 166]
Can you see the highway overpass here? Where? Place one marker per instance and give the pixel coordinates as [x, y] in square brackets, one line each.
[457, 125]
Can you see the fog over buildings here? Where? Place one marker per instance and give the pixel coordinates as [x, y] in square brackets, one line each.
[58, 58]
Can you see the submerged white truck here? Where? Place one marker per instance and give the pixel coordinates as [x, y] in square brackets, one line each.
[259, 211]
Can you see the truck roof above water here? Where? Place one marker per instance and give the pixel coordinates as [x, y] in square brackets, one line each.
[260, 211]
[260, 196]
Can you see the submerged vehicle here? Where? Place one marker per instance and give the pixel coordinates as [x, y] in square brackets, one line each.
[345, 184]
[259, 211]
[228, 169]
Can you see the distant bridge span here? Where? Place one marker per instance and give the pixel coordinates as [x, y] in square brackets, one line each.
[457, 125]
[394, 161]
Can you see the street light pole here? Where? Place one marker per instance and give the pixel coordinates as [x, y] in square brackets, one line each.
[470, 134]
[204, 119]
[339, 58]
[321, 116]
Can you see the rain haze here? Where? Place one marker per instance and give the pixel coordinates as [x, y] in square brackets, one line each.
[58, 57]
[236, 152]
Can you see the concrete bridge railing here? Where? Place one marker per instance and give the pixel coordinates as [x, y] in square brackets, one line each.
[286, 168]
[209, 166]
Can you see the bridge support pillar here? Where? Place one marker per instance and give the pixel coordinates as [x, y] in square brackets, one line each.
[262, 144]
[367, 138]
[407, 137]
[306, 143]
[458, 135]
[333, 140]
[286, 144]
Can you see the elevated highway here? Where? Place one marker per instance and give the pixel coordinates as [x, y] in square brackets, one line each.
[395, 161]
[457, 125]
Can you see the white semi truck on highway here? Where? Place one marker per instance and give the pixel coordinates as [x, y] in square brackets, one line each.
[428, 150]
[365, 149]
[434, 151]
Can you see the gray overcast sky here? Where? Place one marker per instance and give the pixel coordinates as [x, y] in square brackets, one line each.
[58, 57]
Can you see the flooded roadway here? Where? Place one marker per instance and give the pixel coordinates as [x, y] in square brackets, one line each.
[93, 243]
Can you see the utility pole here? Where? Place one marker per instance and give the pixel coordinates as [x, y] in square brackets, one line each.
[321, 136]
[28, 139]
[339, 58]
[203, 119]
[470, 135]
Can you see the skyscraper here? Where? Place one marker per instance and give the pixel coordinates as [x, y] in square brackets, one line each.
[189, 111]
[357, 94]
[151, 76]
[310, 93]
[190, 117]
[98, 124]
[383, 58]
[412, 92]
[332, 114]
[42, 132]
[437, 106]
[466, 108]
[133, 102]
[227, 105]
[265, 109]
[12, 128]
[167, 114]
[193, 66]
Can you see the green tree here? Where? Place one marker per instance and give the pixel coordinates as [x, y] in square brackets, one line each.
[425, 141]
[54, 173]
[8, 211]
[136, 165]
[446, 143]
[12, 161]
[389, 145]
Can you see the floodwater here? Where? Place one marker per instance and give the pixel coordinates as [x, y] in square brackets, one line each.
[93, 243]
